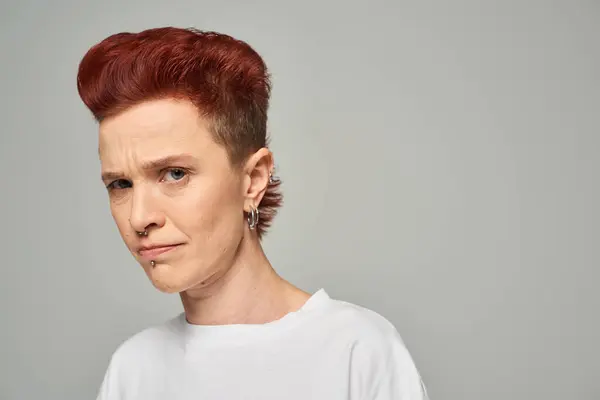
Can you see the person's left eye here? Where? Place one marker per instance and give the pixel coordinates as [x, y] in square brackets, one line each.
[175, 174]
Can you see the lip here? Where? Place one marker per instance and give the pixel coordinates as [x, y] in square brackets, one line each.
[151, 252]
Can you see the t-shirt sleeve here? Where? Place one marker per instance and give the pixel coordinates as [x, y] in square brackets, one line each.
[109, 388]
[399, 378]
[383, 369]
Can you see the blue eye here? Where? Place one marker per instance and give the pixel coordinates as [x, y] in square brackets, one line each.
[119, 184]
[176, 174]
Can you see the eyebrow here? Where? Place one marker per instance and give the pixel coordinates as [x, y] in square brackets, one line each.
[159, 163]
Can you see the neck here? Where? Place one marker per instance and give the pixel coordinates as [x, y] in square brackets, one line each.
[249, 292]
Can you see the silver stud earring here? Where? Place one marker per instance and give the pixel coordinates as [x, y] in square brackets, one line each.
[253, 217]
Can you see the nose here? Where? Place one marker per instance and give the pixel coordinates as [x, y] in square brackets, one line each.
[145, 210]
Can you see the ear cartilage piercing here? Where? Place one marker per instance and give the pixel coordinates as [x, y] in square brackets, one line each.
[273, 179]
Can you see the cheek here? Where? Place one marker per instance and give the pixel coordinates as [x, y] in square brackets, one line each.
[217, 215]
[122, 221]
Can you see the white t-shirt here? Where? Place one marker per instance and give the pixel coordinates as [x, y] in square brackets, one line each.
[329, 350]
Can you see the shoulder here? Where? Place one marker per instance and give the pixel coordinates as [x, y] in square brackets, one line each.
[381, 364]
[143, 344]
[132, 354]
[363, 324]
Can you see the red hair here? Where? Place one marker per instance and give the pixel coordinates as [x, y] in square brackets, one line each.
[223, 77]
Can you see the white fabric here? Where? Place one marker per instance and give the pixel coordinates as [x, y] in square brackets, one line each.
[329, 349]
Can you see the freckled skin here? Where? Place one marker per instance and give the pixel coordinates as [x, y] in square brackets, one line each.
[202, 208]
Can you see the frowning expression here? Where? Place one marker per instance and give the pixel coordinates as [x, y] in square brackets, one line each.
[166, 175]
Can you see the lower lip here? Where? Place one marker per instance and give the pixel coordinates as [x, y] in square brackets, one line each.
[153, 253]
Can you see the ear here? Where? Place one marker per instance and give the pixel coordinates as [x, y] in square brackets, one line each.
[257, 171]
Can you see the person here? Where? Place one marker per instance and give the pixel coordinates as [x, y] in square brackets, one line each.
[182, 116]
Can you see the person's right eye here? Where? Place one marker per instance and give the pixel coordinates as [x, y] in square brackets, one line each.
[118, 184]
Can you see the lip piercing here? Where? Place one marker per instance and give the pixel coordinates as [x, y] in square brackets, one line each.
[153, 263]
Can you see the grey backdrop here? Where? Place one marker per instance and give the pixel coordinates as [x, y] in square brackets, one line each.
[441, 166]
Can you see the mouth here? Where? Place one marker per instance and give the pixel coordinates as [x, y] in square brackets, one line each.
[150, 253]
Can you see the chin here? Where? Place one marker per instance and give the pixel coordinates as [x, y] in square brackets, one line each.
[166, 287]
[166, 279]
[169, 279]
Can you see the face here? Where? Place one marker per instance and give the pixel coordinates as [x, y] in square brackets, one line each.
[165, 174]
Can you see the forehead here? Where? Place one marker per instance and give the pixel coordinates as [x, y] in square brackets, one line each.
[153, 129]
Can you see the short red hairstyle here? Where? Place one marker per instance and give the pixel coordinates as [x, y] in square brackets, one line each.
[223, 77]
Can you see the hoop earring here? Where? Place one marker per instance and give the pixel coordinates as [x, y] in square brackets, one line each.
[253, 217]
